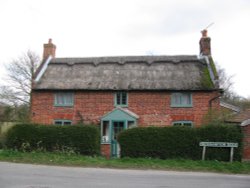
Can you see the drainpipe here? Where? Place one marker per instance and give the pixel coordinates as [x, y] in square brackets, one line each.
[210, 105]
[216, 97]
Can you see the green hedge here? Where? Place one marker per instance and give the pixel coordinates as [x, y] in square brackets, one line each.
[29, 137]
[178, 142]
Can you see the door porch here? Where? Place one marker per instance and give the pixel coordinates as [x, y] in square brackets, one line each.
[112, 124]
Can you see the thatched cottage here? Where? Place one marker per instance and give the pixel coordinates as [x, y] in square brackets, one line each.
[125, 91]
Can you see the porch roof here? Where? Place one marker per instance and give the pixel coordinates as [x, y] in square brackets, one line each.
[120, 114]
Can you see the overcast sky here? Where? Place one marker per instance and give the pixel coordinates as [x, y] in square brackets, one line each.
[83, 28]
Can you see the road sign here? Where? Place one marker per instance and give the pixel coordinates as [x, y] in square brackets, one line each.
[230, 145]
[219, 144]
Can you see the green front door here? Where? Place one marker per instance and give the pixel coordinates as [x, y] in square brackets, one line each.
[117, 127]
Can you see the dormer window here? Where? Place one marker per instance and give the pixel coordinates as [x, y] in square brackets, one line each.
[121, 99]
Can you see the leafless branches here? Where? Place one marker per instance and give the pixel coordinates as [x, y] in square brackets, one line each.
[21, 72]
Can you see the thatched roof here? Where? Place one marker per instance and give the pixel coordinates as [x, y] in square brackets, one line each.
[126, 73]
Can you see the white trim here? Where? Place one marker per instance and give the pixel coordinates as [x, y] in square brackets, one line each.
[229, 106]
[125, 110]
[245, 123]
[129, 112]
[43, 69]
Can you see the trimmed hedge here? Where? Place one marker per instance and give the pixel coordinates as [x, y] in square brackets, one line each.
[29, 137]
[179, 142]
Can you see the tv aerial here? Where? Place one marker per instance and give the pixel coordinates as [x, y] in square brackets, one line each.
[209, 26]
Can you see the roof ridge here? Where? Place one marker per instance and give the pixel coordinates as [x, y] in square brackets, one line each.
[126, 59]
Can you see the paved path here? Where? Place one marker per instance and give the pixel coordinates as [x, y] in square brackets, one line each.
[39, 176]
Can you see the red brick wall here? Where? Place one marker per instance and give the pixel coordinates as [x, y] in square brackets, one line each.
[153, 108]
[105, 150]
[246, 143]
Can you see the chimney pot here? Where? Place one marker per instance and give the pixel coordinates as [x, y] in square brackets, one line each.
[205, 46]
[204, 33]
[49, 49]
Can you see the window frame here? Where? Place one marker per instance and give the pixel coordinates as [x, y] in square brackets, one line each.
[63, 94]
[63, 122]
[173, 104]
[121, 99]
[182, 123]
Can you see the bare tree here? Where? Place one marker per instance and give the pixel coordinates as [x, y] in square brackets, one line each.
[226, 83]
[229, 95]
[19, 80]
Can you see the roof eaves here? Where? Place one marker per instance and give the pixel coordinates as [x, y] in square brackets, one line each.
[229, 106]
[245, 123]
[126, 111]
[156, 90]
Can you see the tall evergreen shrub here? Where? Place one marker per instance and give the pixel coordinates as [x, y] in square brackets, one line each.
[29, 137]
[178, 142]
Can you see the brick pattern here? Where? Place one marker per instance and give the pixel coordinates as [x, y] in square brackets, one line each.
[153, 108]
[246, 143]
[105, 150]
[49, 49]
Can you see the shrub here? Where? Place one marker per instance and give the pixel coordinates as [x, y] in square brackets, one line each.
[1, 141]
[79, 139]
[221, 133]
[178, 142]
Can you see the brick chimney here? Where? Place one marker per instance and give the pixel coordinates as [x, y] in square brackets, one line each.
[49, 49]
[205, 47]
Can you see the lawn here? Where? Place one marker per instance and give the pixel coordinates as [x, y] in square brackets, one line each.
[64, 159]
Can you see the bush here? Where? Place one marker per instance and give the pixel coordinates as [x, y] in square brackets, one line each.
[78, 139]
[221, 133]
[178, 142]
[1, 142]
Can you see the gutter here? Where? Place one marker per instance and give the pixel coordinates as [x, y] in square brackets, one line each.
[216, 97]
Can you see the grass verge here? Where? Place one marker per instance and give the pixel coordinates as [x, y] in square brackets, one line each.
[63, 159]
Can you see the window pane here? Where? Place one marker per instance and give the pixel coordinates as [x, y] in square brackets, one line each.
[121, 98]
[183, 123]
[59, 99]
[118, 98]
[186, 99]
[124, 98]
[117, 128]
[131, 124]
[187, 124]
[58, 122]
[67, 123]
[64, 99]
[68, 98]
[62, 122]
[181, 99]
[105, 128]
[177, 124]
[177, 98]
